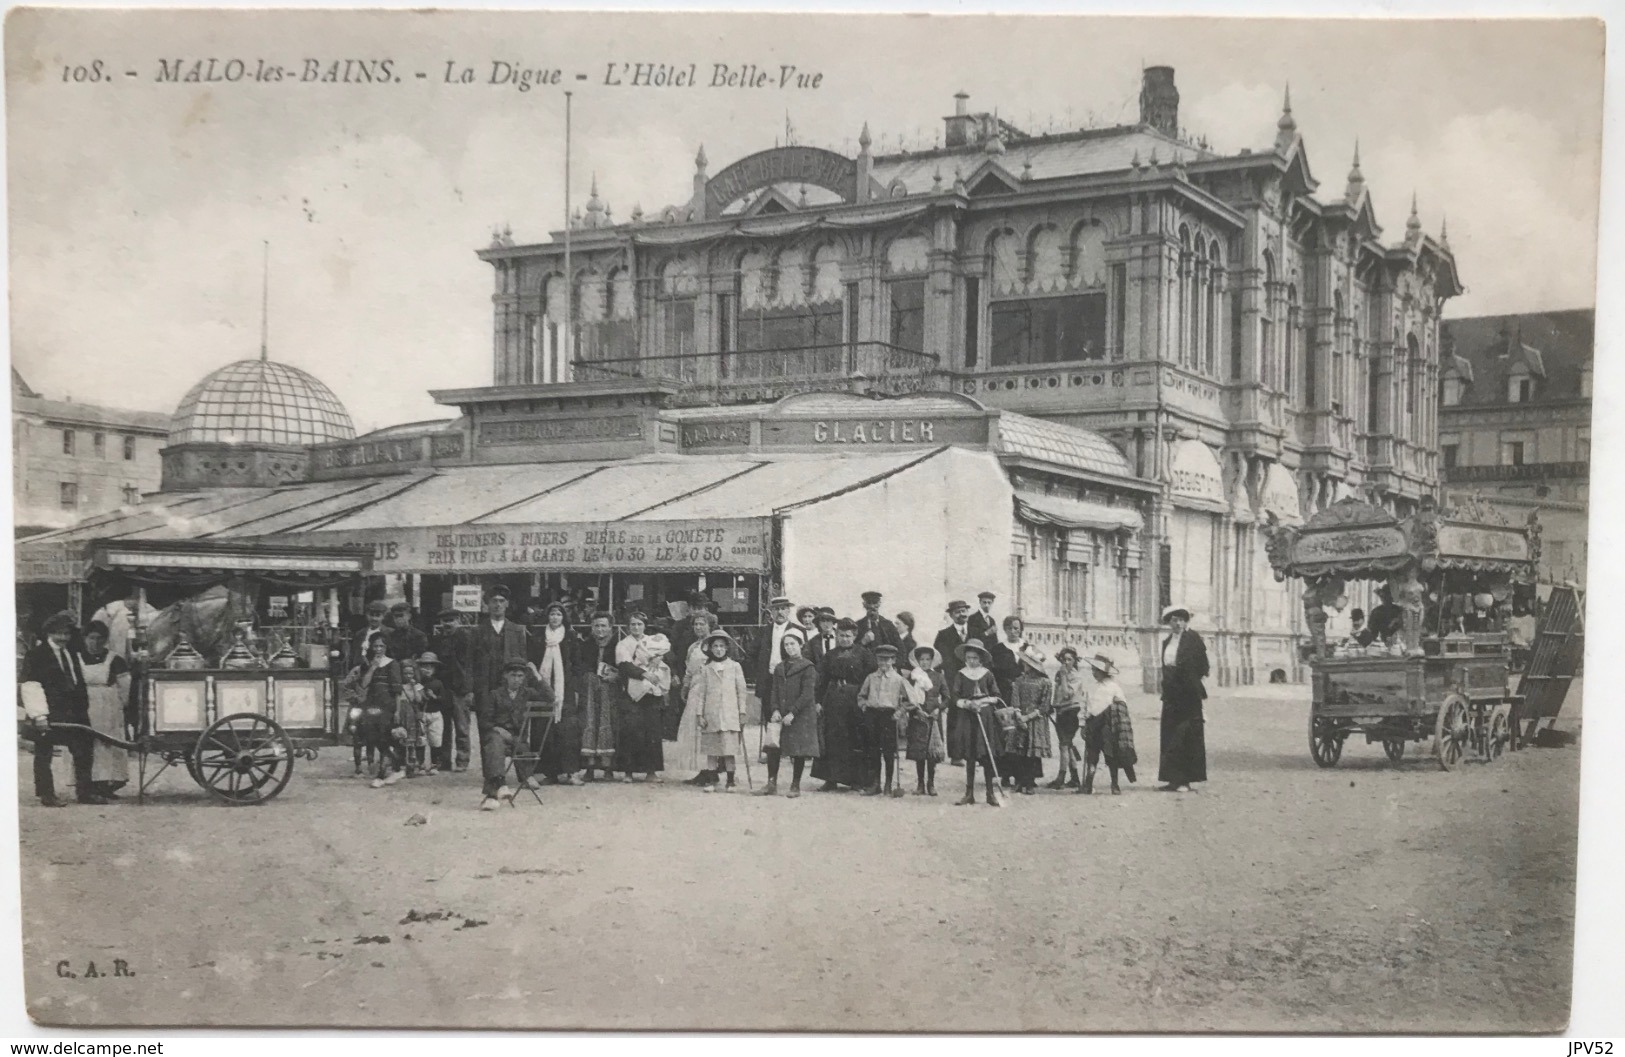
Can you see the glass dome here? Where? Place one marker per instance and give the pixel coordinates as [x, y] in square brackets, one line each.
[260, 402]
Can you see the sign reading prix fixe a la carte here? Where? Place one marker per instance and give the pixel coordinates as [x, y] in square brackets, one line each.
[1350, 545]
[731, 545]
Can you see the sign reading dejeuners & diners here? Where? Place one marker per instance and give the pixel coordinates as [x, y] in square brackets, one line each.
[731, 545]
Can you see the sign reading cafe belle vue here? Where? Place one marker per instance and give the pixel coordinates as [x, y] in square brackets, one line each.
[732, 545]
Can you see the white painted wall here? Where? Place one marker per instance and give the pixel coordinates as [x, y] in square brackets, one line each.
[893, 537]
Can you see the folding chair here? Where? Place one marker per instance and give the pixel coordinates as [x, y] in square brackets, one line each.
[522, 753]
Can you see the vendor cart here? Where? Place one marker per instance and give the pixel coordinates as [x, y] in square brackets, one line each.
[1434, 662]
[236, 713]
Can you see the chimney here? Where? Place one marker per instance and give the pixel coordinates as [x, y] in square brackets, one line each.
[1159, 100]
[961, 126]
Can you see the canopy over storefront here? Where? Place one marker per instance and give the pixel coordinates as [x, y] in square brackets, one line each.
[1036, 508]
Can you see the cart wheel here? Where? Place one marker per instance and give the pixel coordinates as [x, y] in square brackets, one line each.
[1325, 743]
[243, 759]
[1394, 747]
[1451, 732]
[1500, 733]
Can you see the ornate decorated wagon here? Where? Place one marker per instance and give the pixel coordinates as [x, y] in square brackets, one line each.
[1435, 659]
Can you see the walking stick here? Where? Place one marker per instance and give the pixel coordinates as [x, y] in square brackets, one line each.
[987, 743]
[750, 781]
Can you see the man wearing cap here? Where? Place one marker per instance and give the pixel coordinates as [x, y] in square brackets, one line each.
[497, 642]
[361, 645]
[765, 662]
[873, 629]
[823, 635]
[1184, 742]
[451, 645]
[405, 641]
[501, 720]
[52, 686]
[983, 624]
[947, 644]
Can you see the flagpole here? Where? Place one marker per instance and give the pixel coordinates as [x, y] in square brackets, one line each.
[265, 300]
[565, 340]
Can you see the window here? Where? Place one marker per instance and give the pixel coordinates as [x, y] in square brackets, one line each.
[1075, 604]
[1048, 330]
[67, 442]
[98, 445]
[1512, 453]
[69, 495]
[129, 449]
[973, 320]
[1119, 310]
[1448, 452]
[1453, 389]
[1582, 447]
[907, 313]
[1519, 389]
[132, 495]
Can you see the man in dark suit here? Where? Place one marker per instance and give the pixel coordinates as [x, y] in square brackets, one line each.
[52, 685]
[497, 641]
[1184, 666]
[451, 644]
[823, 636]
[983, 624]
[947, 644]
[874, 629]
[406, 642]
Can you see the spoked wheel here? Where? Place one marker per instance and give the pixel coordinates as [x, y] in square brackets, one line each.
[1394, 747]
[1325, 742]
[243, 759]
[1451, 732]
[1500, 734]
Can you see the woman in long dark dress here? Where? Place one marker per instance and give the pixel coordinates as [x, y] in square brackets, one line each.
[975, 692]
[840, 676]
[638, 748]
[593, 680]
[795, 702]
[1184, 741]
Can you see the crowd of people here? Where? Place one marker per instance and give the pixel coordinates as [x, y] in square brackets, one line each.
[847, 701]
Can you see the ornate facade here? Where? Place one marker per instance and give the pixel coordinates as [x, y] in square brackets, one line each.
[1251, 346]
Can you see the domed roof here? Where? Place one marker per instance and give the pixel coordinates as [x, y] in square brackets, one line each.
[260, 402]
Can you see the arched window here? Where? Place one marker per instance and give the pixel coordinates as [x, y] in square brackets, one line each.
[1336, 396]
[1413, 382]
[1210, 332]
[1289, 364]
[1186, 293]
[1268, 365]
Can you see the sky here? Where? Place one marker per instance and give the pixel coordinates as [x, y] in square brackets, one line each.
[138, 209]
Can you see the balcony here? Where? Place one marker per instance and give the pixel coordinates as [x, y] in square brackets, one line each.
[768, 374]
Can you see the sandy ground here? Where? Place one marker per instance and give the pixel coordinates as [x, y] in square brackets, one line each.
[1283, 897]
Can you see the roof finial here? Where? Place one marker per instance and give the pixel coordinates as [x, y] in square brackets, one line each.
[265, 301]
[699, 159]
[1444, 231]
[864, 139]
[1413, 226]
[1356, 177]
[1287, 126]
[936, 179]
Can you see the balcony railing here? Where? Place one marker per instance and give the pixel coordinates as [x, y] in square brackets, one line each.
[775, 371]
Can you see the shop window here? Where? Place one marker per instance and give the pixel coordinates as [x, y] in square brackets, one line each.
[1512, 453]
[1048, 330]
[907, 313]
[67, 442]
[68, 493]
[98, 445]
[129, 449]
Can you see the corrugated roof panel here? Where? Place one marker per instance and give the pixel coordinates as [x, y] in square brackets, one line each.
[1060, 443]
[454, 496]
[786, 482]
[622, 489]
[160, 518]
[307, 507]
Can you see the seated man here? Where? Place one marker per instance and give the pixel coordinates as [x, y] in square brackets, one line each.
[500, 723]
[1386, 621]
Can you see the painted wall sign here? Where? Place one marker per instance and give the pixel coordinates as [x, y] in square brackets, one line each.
[369, 453]
[732, 545]
[807, 165]
[51, 563]
[846, 432]
[1478, 542]
[558, 430]
[716, 434]
[1381, 541]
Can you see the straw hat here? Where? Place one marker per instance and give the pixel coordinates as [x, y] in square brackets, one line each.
[971, 644]
[1173, 611]
[1102, 664]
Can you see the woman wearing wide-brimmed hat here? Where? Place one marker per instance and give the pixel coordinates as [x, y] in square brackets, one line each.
[1072, 685]
[927, 746]
[1184, 666]
[1107, 729]
[1032, 698]
[718, 697]
[975, 692]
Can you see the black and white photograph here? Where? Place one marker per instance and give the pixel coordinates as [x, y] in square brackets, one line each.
[791, 522]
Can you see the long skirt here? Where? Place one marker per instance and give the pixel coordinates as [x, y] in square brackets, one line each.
[966, 742]
[562, 753]
[637, 730]
[717, 744]
[1184, 744]
[110, 763]
[597, 722]
[671, 716]
[843, 760]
